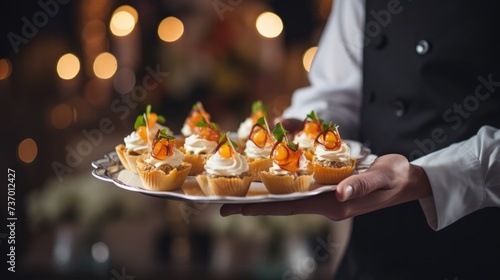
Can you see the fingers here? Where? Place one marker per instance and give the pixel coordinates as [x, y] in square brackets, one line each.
[319, 204]
[379, 176]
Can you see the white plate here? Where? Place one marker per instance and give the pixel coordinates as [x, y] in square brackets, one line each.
[110, 170]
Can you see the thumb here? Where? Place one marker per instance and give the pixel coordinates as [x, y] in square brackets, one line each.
[360, 185]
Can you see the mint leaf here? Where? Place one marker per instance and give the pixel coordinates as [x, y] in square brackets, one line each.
[292, 145]
[161, 119]
[261, 121]
[279, 132]
[202, 123]
[139, 121]
[148, 109]
[259, 106]
[312, 116]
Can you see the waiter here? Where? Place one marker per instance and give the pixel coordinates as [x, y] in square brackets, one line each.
[411, 78]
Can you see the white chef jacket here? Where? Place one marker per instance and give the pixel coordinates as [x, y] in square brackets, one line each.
[464, 177]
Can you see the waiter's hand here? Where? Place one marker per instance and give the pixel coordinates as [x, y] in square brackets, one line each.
[389, 181]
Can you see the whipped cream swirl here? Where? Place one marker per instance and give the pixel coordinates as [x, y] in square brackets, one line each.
[233, 166]
[304, 141]
[186, 130]
[196, 145]
[134, 142]
[174, 160]
[276, 169]
[245, 128]
[342, 154]
[252, 151]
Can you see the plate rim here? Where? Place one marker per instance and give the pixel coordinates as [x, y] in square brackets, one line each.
[105, 168]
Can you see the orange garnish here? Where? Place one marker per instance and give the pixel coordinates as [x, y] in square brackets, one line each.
[162, 148]
[207, 132]
[152, 119]
[257, 115]
[260, 136]
[197, 114]
[225, 151]
[285, 157]
[312, 128]
[143, 132]
[329, 139]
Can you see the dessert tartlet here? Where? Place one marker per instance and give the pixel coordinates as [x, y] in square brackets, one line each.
[197, 114]
[163, 169]
[199, 145]
[226, 172]
[332, 160]
[137, 143]
[258, 110]
[289, 172]
[305, 138]
[258, 149]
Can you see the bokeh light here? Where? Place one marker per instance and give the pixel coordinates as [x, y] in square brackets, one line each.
[269, 25]
[170, 29]
[308, 57]
[27, 150]
[68, 66]
[105, 65]
[61, 116]
[122, 22]
[100, 252]
[5, 68]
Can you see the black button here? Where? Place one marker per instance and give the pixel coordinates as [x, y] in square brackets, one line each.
[422, 47]
[378, 41]
[371, 97]
[400, 108]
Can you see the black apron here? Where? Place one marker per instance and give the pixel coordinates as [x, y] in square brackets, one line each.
[431, 77]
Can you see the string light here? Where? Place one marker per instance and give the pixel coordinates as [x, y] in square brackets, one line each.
[308, 57]
[170, 29]
[27, 150]
[68, 66]
[269, 25]
[105, 65]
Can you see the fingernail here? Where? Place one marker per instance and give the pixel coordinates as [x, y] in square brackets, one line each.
[348, 192]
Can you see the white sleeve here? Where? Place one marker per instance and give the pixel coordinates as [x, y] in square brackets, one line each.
[464, 177]
[335, 76]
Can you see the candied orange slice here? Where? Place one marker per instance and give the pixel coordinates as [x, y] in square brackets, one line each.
[257, 115]
[312, 128]
[329, 138]
[208, 133]
[225, 151]
[259, 136]
[162, 148]
[285, 157]
[143, 132]
[152, 119]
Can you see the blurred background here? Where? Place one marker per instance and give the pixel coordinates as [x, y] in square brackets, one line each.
[73, 77]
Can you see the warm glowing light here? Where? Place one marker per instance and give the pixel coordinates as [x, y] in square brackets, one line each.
[105, 65]
[170, 29]
[308, 57]
[68, 66]
[122, 23]
[5, 68]
[129, 9]
[27, 150]
[269, 25]
[61, 116]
